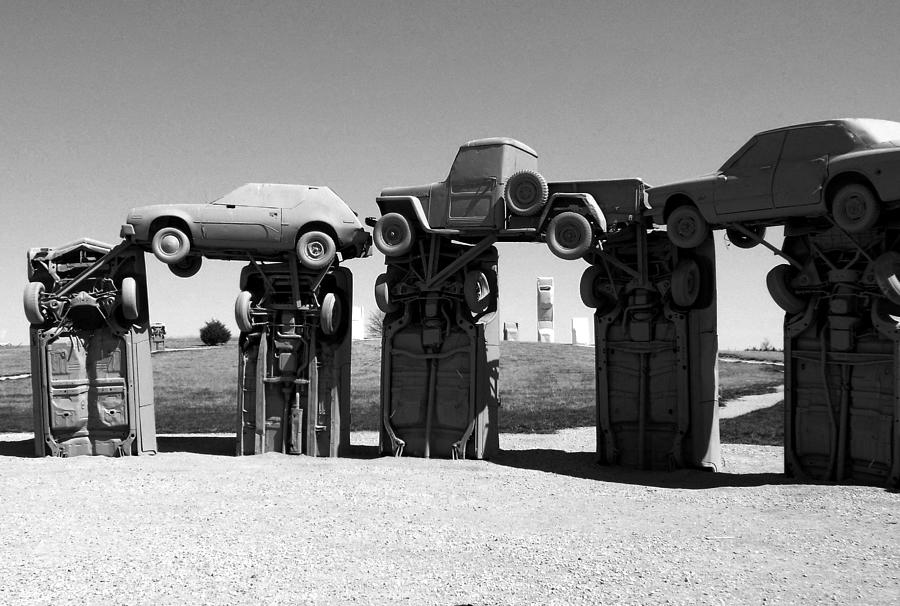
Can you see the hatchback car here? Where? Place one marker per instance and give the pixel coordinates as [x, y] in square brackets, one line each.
[261, 220]
[847, 170]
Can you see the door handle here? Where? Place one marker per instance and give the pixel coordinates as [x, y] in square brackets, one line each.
[820, 160]
[766, 167]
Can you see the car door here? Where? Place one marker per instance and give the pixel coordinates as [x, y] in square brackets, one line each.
[227, 225]
[744, 187]
[803, 166]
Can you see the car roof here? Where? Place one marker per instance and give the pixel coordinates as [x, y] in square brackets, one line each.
[833, 121]
[489, 141]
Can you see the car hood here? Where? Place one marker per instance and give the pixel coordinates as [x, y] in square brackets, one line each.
[418, 191]
[686, 186]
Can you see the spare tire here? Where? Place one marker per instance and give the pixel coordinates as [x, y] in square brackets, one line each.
[778, 281]
[526, 193]
[129, 296]
[392, 235]
[885, 269]
[383, 295]
[477, 292]
[242, 316]
[32, 302]
[686, 283]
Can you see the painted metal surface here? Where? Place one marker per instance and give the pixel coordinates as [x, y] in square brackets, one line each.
[293, 378]
[657, 374]
[842, 354]
[92, 380]
[440, 357]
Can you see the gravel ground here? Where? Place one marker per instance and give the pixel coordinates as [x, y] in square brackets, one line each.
[539, 524]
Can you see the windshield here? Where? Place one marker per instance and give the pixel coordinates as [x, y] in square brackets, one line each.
[874, 132]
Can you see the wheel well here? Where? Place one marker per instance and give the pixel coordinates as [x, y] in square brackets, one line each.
[674, 202]
[843, 179]
[318, 226]
[161, 222]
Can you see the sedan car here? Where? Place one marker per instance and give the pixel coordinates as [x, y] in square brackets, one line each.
[258, 220]
[847, 170]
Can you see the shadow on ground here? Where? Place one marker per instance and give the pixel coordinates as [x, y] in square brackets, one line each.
[584, 465]
[17, 448]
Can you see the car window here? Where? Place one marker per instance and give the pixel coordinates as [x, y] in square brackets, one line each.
[815, 142]
[475, 165]
[762, 151]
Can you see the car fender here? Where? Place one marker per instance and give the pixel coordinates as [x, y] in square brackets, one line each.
[877, 166]
[584, 199]
[411, 208]
[142, 218]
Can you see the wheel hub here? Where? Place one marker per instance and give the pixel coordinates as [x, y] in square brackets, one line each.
[170, 244]
[315, 250]
[526, 193]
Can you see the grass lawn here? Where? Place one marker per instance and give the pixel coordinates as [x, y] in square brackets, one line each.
[543, 387]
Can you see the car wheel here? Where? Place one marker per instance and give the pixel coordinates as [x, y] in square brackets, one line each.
[886, 318]
[32, 302]
[187, 267]
[884, 268]
[383, 295]
[742, 240]
[778, 281]
[526, 193]
[477, 292]
[316, 250]
[569, 235]
[242, 316]
[594, 294]
[686, 282]
[330, 314]
[129, 297]
[686, 227]
[855, 208]
[392, 235]
[170, 245]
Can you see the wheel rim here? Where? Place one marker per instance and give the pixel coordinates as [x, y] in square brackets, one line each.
[526, 193]
[315, 250]
[854, 207]
[568, 234]
[170, 244]
[686, 227]
[393, 234]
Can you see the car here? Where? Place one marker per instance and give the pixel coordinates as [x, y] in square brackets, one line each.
[256, 220]
[86, 284]
[846, 171]
[494, 189]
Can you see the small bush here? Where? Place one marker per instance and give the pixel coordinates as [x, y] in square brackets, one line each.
[214, 333]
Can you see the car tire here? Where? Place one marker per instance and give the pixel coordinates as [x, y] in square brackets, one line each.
[569, 235]
[686, 227]
[32, 303]
[393, 235]
[316, 250]
[742, 240]
[885, 317]
[855, 208]
[593, 295]
[383, 295]
[477, 292]
[885, 269]
[330, 314]
[242, 315]
[686, 283]
[778, 281]
[129, 297]
[526, 193]
[170, 245]
[187, 267]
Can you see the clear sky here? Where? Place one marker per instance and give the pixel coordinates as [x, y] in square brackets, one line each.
[109, 105]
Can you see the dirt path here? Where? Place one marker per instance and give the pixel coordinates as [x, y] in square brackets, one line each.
[540, 524]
